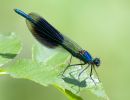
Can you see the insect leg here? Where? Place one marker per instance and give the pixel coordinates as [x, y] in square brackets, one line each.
[81, 63]
[82, 71]
[77, 69]
[74, 71]
[77, 64]
[71, 65]
[91, 72]
[96, 73]
[67, 66]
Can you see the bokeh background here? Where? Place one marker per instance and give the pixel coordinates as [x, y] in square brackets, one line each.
[100, 26]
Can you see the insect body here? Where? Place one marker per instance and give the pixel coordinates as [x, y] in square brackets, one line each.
[50, 37]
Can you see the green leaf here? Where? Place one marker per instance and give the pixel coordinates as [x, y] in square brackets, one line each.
[10, 46]
[52, 57]
[69, 94]
[45, 68]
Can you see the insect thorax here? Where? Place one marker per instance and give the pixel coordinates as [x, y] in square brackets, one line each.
[85, 56]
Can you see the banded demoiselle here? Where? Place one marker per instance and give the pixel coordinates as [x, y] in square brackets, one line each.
[46, 34]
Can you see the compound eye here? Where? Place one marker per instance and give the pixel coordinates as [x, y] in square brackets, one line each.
[97, 62]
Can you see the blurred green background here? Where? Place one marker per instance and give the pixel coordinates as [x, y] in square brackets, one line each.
[100, 26]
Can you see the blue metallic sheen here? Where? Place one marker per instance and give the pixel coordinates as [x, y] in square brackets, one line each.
[87, 56]
[50, 37]
[24, 15]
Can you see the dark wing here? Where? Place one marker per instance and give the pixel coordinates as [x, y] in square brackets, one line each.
[43, 31]
[71, 46]
[49, 36]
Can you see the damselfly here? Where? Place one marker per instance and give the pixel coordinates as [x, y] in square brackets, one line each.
[50, 37]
